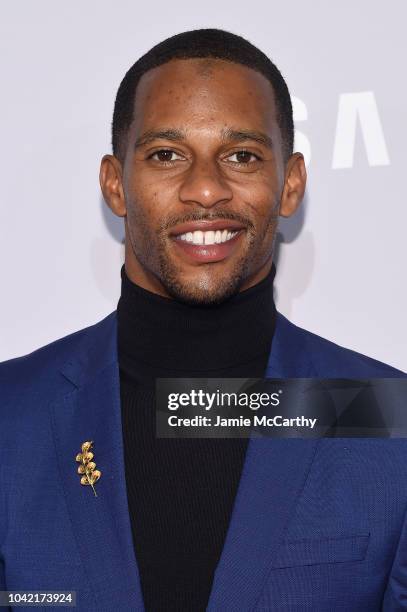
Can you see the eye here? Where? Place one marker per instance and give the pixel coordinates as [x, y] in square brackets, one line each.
[243, 157]
[165, 155]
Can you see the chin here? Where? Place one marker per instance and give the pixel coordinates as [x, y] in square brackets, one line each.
[204, 285]
[203, 292]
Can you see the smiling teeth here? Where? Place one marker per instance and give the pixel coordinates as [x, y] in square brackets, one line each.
[209, 237]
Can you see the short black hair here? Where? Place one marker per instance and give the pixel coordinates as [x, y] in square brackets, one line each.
[203, 43]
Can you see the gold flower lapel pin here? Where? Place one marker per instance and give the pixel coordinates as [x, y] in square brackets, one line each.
[87, 466]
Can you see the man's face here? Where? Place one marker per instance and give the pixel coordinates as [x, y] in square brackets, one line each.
[202, 180]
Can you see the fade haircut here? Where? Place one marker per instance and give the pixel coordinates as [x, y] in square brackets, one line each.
[204, 43]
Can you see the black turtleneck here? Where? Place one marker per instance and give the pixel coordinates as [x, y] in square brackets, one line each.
[181, 491]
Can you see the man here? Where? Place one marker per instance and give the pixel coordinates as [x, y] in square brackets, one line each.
[202, 167]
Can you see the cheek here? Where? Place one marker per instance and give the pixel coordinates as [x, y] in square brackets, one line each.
[259, 190]
[142, 206]
[151, 196]
[262, 205]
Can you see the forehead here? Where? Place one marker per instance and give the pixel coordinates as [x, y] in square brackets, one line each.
[194, 92]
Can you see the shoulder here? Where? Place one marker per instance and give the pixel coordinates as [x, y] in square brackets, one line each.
[331, 360]
[39, 371]
[29, 385]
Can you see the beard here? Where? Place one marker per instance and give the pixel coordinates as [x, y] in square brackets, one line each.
[211, 286]
[203, 292]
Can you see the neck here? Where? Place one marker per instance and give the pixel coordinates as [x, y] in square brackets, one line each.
[179, 339]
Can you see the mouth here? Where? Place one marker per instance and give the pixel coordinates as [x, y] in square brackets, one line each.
[207, 241]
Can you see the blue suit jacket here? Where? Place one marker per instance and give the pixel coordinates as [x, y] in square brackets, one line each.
[317, 525]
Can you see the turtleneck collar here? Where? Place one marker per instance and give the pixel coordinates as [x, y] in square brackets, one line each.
[176, 339]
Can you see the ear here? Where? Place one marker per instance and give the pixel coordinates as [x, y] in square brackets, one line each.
[294, 185]
[110, 178]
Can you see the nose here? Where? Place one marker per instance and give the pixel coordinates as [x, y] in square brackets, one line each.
[204, 185]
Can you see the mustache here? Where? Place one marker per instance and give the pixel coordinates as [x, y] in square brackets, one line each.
[198, 216]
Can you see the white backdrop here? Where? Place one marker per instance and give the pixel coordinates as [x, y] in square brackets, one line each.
[342, 258]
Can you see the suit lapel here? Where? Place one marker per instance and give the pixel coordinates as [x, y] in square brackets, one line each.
[273, 477]
[101, 524]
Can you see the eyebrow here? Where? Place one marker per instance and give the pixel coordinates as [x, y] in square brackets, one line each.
[239, 135]
[166, 134]
[229, 134]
